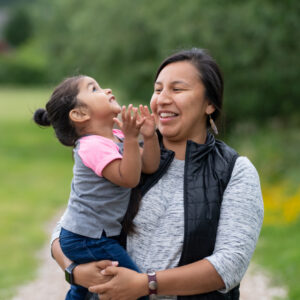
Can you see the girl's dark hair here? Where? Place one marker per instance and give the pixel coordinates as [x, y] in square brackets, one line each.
[209, 74]
[62, 101]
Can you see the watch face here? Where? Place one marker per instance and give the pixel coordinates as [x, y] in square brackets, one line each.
[152, 285]
[151, 273]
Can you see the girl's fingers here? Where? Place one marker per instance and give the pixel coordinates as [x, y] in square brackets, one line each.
[146, 110]
[128, 114]
[140, 122]
[141, 109]
[123, 112]
[134, 117]
[118, 122]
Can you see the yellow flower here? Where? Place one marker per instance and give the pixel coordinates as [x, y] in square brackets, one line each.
[282, 206]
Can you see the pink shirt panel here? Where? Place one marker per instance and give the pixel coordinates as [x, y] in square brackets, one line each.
[97, 151]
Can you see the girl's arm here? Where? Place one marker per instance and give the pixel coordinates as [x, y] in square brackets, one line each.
[151, 150]
[126, 171]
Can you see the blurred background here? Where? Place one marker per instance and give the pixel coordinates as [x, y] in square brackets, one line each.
[121, 43]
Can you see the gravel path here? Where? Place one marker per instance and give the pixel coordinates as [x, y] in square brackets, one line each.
[50, 283]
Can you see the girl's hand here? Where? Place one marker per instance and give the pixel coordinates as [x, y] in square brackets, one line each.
[130, 124]
[125, 285]
[89, 274]
[148, 126]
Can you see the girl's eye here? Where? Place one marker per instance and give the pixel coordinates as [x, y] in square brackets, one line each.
[94, 89]
[157, 90]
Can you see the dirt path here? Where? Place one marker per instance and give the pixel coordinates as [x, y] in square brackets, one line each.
[50, 283]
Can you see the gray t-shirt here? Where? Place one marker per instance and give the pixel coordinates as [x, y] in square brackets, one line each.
[95, 203]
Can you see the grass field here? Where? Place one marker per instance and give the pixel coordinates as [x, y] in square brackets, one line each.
[36, 173]
[35, 178]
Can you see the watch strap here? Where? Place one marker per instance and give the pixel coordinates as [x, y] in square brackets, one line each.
[152, 283]
[69, 273]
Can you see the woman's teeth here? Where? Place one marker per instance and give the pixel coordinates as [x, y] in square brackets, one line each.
[167, 114]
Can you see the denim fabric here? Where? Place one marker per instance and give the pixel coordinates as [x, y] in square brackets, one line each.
[81, 249]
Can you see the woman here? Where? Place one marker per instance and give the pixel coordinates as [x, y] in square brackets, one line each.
[201, 213]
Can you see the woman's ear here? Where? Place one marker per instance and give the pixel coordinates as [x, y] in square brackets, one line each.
[210, 108]
[79, 115]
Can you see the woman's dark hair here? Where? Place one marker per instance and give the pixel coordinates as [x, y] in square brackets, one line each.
[211, 77]
[62, 101]
[209, 73]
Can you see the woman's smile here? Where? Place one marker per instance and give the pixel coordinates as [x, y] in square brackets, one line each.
[167, 116]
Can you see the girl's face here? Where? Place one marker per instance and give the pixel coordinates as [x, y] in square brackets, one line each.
[100, 103]
[178, 102]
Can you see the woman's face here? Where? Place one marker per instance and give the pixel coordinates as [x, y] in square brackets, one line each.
[178, 102]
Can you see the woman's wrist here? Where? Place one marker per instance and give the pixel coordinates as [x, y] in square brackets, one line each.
[142, 284]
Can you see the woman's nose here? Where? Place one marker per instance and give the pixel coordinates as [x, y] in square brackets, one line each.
[108, 91]
[163, 98]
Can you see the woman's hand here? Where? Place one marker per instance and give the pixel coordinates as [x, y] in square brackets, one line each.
[148, 127]
[125, 285]
[89, 274]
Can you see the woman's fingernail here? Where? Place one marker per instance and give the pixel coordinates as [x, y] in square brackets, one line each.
[114, 263]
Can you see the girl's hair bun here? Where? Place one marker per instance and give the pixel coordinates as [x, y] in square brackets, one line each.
[41, 117]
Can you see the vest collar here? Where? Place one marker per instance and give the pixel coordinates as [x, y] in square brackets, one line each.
[193, 147]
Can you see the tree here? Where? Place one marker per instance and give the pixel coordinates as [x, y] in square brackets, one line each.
[18, 29]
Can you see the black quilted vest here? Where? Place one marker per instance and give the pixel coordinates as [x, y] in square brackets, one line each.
[208, 168]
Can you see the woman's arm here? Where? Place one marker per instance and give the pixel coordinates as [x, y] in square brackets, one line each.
[151, 150]
[196, 278]
[85, 275]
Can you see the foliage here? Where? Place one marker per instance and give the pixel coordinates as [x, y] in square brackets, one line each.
[255, 42]
[27, 66]
[19, 28]
[274, 151]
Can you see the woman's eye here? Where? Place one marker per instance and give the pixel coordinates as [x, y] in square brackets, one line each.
[94, 89]
[157, 90]
[177, 89]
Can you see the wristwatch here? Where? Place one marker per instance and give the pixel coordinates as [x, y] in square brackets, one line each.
[69, 273]
[152, 284]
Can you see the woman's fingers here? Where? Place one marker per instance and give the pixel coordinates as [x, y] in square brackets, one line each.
[111, 271]
[99, 289]
[102, 264]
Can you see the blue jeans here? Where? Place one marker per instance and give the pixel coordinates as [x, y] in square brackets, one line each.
[81, 249]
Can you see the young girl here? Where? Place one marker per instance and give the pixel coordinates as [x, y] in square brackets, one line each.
[107, 163]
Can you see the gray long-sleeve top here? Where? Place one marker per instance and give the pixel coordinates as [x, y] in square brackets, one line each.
[157, 244]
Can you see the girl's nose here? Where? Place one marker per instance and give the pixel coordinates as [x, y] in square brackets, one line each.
[107, 91]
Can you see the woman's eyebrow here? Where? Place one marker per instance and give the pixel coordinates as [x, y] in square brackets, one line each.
[173, 82]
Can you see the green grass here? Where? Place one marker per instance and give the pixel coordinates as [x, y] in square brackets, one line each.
[35, 178]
